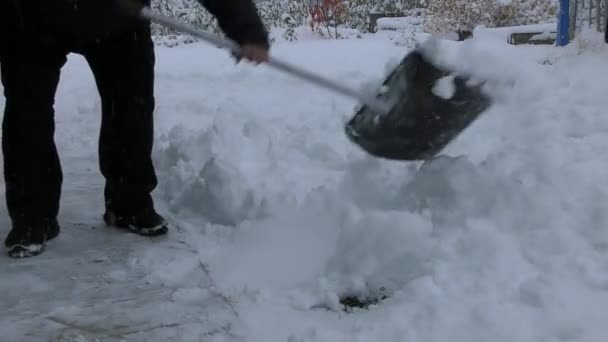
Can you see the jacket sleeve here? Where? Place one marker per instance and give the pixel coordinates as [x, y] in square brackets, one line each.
[239, 19]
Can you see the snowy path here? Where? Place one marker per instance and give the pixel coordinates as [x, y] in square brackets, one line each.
[95, 282]
[277, 216]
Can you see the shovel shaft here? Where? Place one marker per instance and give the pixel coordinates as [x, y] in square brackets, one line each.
[371, 101]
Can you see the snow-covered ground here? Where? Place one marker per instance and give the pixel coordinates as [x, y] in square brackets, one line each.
[277, 216]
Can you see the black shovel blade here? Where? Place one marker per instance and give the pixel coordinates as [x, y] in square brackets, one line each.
[420, 123]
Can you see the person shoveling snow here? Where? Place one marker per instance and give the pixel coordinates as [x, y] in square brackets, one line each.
[35, 39]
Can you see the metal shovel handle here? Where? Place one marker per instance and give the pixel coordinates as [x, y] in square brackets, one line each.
[371, 101]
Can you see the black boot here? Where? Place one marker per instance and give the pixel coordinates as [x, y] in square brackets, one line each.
[28, 239]
[147, 222]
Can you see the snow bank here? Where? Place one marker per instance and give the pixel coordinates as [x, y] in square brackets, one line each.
[489, 242]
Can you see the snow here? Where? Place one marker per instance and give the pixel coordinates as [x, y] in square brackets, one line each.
[398, 23]
[277, 216]
[548, 27]
[445, 87]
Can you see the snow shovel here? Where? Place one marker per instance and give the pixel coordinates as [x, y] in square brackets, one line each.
[407, 122]
[421, 123]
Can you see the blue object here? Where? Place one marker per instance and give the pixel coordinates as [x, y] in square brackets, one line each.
[563, 23]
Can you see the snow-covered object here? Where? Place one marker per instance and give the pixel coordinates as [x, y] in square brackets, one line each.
[403, 31]
[399, 23]
[504, 33]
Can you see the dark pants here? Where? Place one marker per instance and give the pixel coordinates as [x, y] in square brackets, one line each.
[123, 66]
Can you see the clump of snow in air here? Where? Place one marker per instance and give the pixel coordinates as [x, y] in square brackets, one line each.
[285, 231]
[445, 87]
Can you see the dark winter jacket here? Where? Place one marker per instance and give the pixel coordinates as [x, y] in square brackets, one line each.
[82, 20]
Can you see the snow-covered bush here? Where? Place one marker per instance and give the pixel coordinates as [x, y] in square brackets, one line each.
[326, 17]
[321, 16]
[396, 5]
[284, 14]
[536, 11]
[187, 11]
[358, 14]
[463, 15]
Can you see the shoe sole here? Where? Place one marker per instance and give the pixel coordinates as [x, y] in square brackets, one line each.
[21, 251]
[112, 221]
[154, 231]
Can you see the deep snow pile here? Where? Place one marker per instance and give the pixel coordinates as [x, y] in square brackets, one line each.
[501, 239]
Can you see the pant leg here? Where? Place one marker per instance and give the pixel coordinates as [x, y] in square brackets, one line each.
[123, 66]
[30, 74]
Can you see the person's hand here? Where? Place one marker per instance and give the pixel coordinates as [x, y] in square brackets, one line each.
[254, 53]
